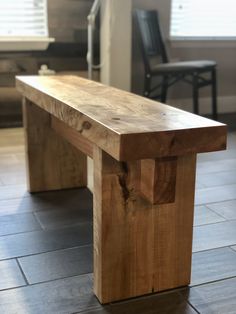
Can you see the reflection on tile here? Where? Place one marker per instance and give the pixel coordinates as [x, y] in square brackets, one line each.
[13, 224]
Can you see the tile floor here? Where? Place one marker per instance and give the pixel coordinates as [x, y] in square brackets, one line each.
[46, 244]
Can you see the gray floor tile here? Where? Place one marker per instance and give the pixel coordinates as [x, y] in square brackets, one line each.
[218, 178]
[16, 206]
[156, 304]
[43, 241]
[199, 185]
[70, 199]
[52, 219]
[167, 303]
[10, 275]
[213, 265]
[57, 264]
[62, 296]
[225, 209]
[13, 224]
[204, 216]
[11, 177]
[214, 298]
[214, 236]
[13, 191]
[56, 200]
[215, 194]
[216, 166]
[221, 155]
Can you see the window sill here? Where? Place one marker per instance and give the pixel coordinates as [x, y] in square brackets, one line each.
[24, 43]
[202, 43]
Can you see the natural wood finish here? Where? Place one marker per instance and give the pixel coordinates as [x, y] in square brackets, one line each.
[122, 123]
[123, 233]
[52, 163]
[158, 179]
[144, 176]
[72, 136]
[173, 231]
[140, 247]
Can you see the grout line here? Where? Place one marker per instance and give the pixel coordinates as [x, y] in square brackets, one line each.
[13, 288]
[43, 282]
[89, 222]
[212, 281]
[218, 213]
[45, 252]
[22, 272]
[92, 308]
[38, 220]
[193, 307]
[215, 223]
[56, 279]
[215, 248]
[231, 248]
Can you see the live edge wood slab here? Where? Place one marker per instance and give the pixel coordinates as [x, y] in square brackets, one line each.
[144, 157]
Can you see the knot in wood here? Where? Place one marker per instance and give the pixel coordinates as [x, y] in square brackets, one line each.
[86, 125]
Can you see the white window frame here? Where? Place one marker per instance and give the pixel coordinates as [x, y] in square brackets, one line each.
[197, 41]
[26, 39]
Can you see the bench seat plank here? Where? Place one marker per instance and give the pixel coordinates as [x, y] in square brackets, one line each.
[120, 122]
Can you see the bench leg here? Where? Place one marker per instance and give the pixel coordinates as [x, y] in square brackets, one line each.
[51, 162]
[174, 229]
[139, 248]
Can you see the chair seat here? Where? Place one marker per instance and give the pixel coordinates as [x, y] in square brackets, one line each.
[184, 66]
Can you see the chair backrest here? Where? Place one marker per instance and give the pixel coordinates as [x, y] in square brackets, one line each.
[151, 40]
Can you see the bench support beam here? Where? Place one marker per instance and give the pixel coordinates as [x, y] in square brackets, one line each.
[72, 136]
[52, 163]
[140, 248]
[158, 179]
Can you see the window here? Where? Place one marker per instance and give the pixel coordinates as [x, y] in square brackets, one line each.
[23, 25]
[203, 19]
[23, 18]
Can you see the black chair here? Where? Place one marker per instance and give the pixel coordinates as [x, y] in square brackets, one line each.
[157, 65]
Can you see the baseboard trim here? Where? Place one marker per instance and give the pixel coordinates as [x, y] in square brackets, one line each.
[226, 104]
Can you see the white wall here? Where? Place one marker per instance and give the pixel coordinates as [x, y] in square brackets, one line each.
[116, 35]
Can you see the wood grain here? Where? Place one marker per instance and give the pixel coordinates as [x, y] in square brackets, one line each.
[173, 231]
[158, 179]
[123, 233]
[72, 136]
[52, 163]
[122, 123]
[141, 247]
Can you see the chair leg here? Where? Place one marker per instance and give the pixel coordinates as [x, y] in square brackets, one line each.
[214, 95]
[164, 89]
[195, 94]
[147, 85]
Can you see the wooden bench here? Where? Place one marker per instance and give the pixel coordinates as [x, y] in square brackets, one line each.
[144, 157]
